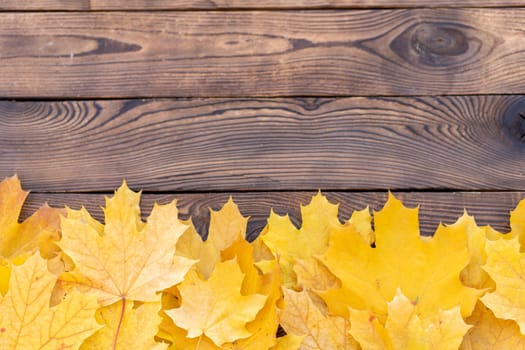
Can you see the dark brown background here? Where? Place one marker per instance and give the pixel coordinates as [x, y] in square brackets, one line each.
[267, 101]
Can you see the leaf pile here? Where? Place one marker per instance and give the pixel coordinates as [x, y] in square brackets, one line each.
[68, 281]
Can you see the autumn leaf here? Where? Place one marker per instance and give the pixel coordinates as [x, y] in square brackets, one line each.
[361, 220]
[491, 333]
[426, 269]
[264, 327]
[405, 329]
[301, 317]
[473, 275]
[227, 226]
[20, 240]
[177, 337]
[290, 244]
[226, 242]
[517, 224]
[215, 307]
[127, 325]
[125, 258]
[288, 342]
[28, 322]
[505, 266]
[314, 276]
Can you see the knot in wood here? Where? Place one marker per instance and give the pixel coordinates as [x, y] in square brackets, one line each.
[431, 40]
[514, 121]
[436, 44]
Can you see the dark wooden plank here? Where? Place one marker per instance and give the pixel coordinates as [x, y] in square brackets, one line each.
[46, 5]
[463, 143]
[489, 208]
[19, 5]
[258, 53]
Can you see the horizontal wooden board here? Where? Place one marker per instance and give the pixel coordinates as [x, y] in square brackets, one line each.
[464, 143]
[489, 208]
[262, 53]
[84, 5]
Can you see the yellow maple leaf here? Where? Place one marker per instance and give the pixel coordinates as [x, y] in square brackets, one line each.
[177, 337]
[290, 244]
[215, 307]
[491, 333]
[361, 220]
[406, 330]
[263, 328]
[301, 317]
[127, 325]
[288, 342]
[227, 226]
[473, 275]
[28, 322]
[312, 275]
[19, 240]
[427, 269]
[125, 258]
[226, 242]
[517, 224]
[505, 266]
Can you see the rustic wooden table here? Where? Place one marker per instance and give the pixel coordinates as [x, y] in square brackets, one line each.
[268, 101]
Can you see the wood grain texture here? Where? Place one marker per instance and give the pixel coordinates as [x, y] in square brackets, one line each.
[262, 53]
[463, 143]
[489, 208]
[45, 5]
[82, 5]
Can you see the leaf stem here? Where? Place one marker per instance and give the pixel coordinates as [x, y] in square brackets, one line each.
[115, 340]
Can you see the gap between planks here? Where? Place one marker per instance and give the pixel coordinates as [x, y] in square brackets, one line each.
[489, 208]
[168, 5]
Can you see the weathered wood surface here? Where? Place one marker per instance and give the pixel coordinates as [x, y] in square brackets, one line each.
[262, 53]
[464, 143]
[85, 5]
[489, 208]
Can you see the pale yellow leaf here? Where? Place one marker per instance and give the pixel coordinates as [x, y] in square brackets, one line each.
[200, 343]
[216, 307]
[312, 275]
[191, 245]
[406, 330]
[226, 226]
[177, 337]
[517, 224]
[491, 333]
[302, 318]
[289, 342]
[28, 322]
[362, 222]
[506, 266]
[264, 327]
[289, 244]
[473, 275]
[126, 326]
[129, 259]
[19, 240]
[242, 251]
